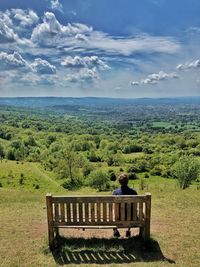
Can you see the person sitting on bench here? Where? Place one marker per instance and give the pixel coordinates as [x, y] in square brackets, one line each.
[124, 190]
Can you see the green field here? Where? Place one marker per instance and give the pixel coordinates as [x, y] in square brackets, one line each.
[23, 235]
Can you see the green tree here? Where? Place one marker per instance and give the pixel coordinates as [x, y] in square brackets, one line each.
[186, 170]
[99, 180]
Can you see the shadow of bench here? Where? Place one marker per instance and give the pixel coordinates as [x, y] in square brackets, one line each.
[106, 251]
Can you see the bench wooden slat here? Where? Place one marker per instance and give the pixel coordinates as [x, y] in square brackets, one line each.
[86, 212]
[134, 212]
[122, 211]
[80, 212]
[56, 212]
[68, 212]
[62, 210]
[140, 211]
[74, 210]
[116, 211]
[128, 211]
[110, 212]
[99, 199]
[98, 212]
[104, 212]
[92, 212]
[121, 224]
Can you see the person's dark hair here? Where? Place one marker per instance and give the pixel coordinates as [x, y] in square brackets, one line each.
[123, 179]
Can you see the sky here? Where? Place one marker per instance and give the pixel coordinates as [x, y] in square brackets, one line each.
[102, 48]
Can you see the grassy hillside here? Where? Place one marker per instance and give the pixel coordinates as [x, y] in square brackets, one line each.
[27, 176]
[23, 235]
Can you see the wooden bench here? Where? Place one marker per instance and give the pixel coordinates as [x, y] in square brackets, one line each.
[101, 212]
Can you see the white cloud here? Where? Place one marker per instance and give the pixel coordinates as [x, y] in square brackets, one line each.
[127, 46]
[189, 65]
[86, 62]
[43, 67]
[7, 34]
[10, 61]
[8, 31]
[155, 78]
[55, 4]
[82, 75]
[25, 17]
[72, 36]
[51, 32]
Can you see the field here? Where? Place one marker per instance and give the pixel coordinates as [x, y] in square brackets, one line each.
[175, 229]
[69, 148]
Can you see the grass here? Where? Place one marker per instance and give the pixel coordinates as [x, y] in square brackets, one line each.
[175, 231]
[27, 176]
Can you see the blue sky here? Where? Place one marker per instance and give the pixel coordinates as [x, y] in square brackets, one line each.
[113, 48]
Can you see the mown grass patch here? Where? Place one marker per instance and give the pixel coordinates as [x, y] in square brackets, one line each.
[174, 229]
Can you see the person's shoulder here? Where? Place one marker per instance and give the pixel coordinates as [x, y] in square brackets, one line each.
[133, 191]
[117, 192]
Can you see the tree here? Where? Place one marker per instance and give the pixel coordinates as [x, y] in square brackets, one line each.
[99, 180]
[186, 170]
[2, 153]
[70, 163]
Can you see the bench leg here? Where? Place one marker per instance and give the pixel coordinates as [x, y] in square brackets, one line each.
[51, 237]
[57, 231]
[146, 233]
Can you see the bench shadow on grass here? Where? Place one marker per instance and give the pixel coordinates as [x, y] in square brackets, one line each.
[106, 251]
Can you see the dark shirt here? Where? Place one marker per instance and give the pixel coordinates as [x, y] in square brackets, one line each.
[124, 190]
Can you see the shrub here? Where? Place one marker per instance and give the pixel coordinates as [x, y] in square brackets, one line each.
[112, 175]
[99, 180]
[186, 170]
[132, 176]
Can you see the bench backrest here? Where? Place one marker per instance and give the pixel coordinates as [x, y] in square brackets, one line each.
[120, 211]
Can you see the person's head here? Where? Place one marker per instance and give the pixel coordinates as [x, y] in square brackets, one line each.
[123, 179]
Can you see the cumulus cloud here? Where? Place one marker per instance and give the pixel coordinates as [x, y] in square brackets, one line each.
[72, 36]
[189, 65]
[12, 61]
[7, 34]
[43, 67]
[8, 30]
[55, 4]
[87, 62]
[82, 75]
[51, 32]
[24, 17]
[155, 78]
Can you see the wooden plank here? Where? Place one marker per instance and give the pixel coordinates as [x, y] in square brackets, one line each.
[141, 211]
[116, 212]
[74, 209]
[122, 224]
[62, 211]
[98, 212]
[122, 211]
[134, 212]
[50, 219]
[99, 199]
[147, 216]
[92, 212]
[128, 211]
[110, 210]
[80, 212]
[86, 212]
[104, 212]
[68, 212]
[56, 212]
